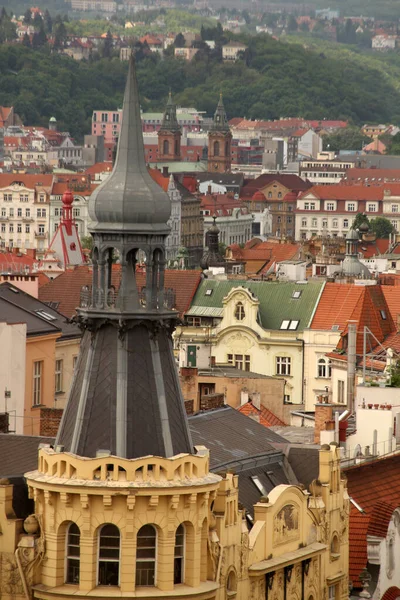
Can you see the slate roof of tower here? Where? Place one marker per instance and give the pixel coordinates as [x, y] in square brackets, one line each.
[129, 199]
[276, 300]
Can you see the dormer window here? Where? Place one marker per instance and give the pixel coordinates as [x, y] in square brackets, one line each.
[239, 312]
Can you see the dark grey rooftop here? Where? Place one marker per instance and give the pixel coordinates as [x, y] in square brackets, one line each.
[129, 200]
[19, 307]
[19, 453]
[304, 462]
[234, 440]
[231, 371]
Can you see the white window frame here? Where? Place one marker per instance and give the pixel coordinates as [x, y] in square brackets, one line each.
[182, 557]
[59, 375]
[37, 382]
[283, 365]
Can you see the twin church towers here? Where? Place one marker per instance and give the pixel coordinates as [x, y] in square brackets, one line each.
[219, 138]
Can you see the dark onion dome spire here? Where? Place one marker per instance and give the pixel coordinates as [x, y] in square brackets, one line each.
[212, 257]
[170, 121]
[129, 199]
[220, 121]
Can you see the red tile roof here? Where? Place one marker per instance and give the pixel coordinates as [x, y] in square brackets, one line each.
[66, 288]
[345, 192]
[291, 182]
[369, 484]
[336, 305]
[159, 178]
[30, 181]
[101, 167]
[393, 593]
[392, 297]
[267, 252]
[380, 518]
[264, 415]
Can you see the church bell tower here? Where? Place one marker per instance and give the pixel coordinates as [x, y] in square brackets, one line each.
[169, 134]
[219, 142]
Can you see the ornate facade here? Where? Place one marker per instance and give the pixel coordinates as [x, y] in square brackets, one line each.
[169, 134]
[168, 528]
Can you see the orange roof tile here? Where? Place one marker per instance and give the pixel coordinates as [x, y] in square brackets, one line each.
[369, 484]
[30, 181]
[392, 297]
[160, 178]
[347, 192]
[66, 288]
[264, 415]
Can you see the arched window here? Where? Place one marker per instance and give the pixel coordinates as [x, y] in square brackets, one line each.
[109, 543]
[239, 312]
[216, 148]
[179, 573]
[231, 584]
[165, 147]
[345, 223]
[324, 367]
[73, 554]
[146, 555]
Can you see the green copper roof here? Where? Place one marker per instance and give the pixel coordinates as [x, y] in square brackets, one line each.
[277, 301]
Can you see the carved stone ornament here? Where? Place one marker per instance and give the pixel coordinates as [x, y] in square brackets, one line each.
[286, 524]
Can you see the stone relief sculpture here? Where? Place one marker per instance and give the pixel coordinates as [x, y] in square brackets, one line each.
[286, 524]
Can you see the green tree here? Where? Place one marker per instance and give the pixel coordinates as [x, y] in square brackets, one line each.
[360, 219]
[291, 23]
[108, 45]
[87, 242]
[26, 41]
[48, 22]
[180, 41]
[349, 138]
[381, 227]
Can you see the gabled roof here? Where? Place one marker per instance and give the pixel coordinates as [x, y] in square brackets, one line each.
[291, 182]
[276, 300]
[263, 415]
[39, 316]
[260, 257]
[336, 305]
[66, 288]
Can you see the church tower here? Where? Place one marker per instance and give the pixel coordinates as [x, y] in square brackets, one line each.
[219, 142]
[126, 396]
[169, 134]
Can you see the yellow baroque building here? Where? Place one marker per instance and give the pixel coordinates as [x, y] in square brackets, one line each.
[155, 527]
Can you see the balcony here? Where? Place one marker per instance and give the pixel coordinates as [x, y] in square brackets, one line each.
[4, 218]
[41, 234]
[27, 219]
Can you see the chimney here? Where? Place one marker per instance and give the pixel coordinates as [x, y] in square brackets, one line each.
[256, 400]
[209, 188]
[351, 364]
[244, 397]
[165, 171]
[323, 416]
